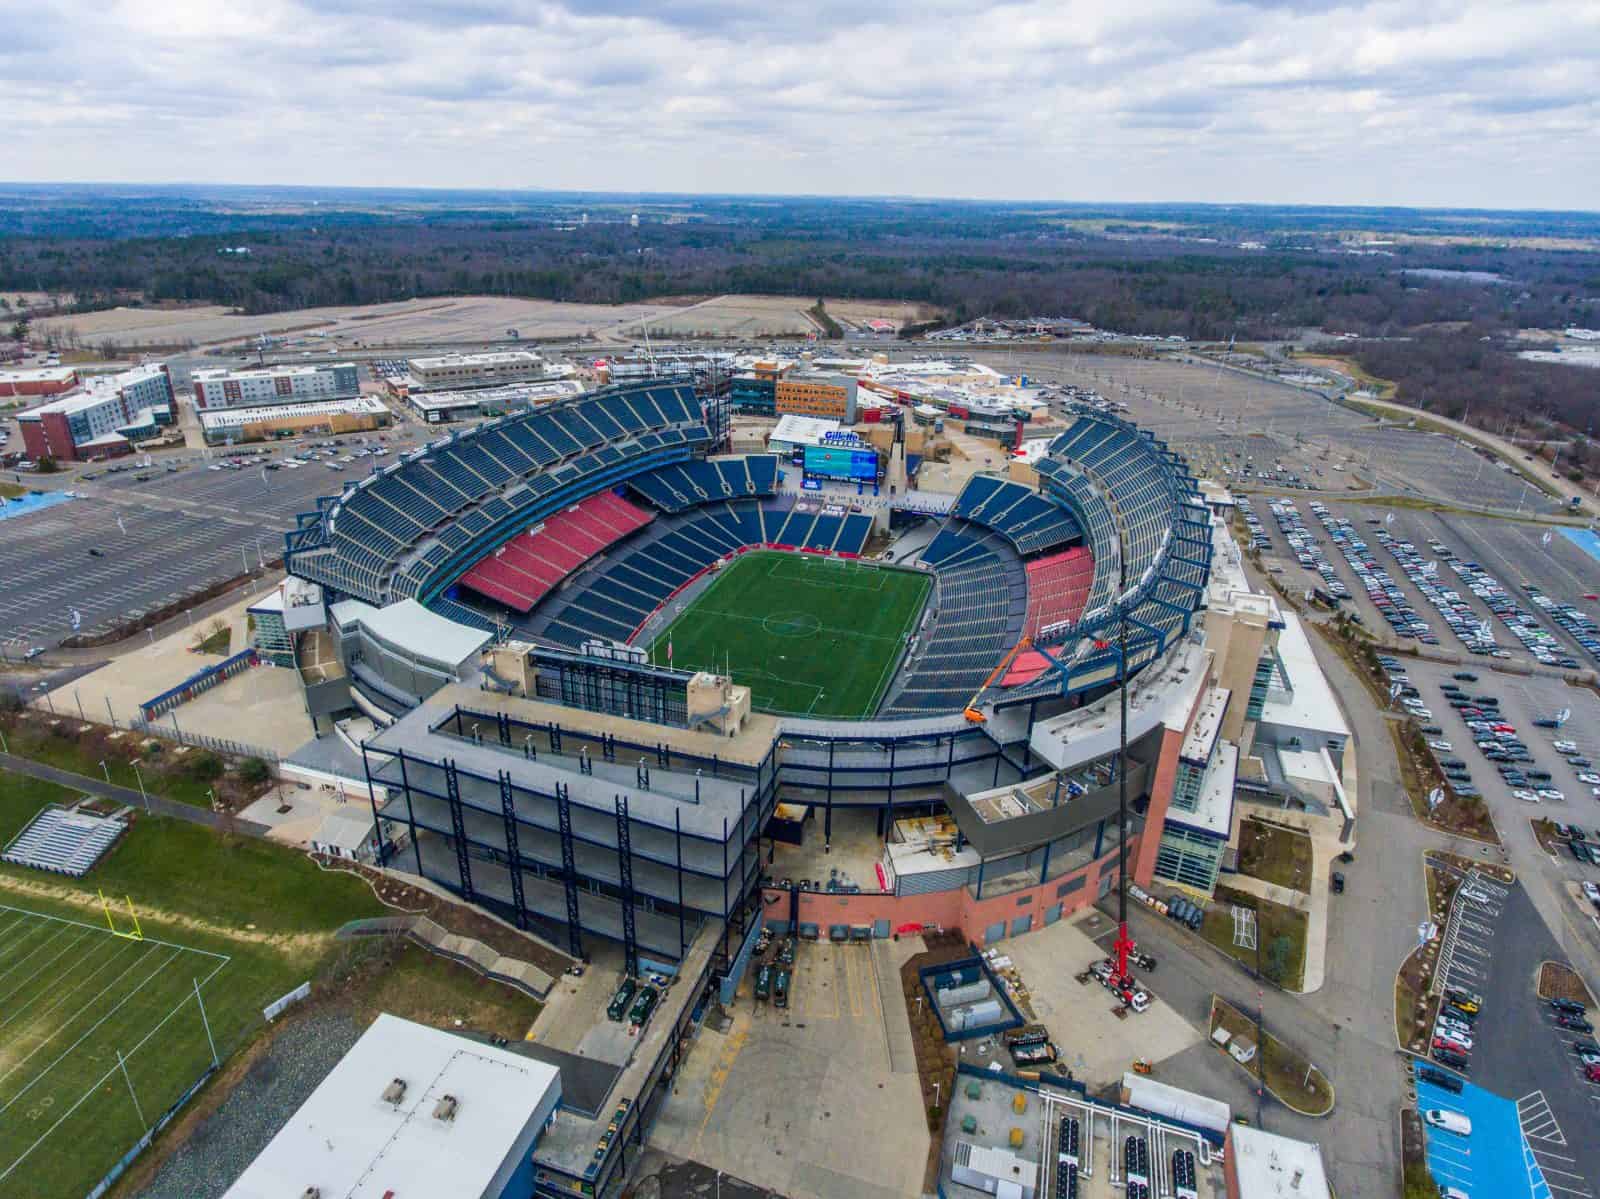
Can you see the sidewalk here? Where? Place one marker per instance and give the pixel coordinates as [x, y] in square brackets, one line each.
[126, 795]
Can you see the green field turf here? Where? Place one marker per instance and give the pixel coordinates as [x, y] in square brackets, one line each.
[808, 635]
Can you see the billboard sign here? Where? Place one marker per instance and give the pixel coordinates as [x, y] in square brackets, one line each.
[841, 462]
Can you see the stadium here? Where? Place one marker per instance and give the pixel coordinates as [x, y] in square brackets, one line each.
[611, 670]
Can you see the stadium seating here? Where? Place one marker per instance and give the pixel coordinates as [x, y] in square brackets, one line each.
[523, 570]
[978, 612]
[64, 841]
[1029, 520]
[1058, 588]
[370, 541]
[682, 485]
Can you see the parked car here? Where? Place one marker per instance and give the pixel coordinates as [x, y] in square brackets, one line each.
[1574, 1023]
[1570, 1006]
[1438, 1117]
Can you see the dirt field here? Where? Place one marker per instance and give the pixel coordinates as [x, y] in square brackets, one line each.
[770, 316]
[464, 318]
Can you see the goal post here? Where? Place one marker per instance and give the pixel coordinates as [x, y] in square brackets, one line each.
[133, 932]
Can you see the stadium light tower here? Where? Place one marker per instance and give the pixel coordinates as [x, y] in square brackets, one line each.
[1124, 944]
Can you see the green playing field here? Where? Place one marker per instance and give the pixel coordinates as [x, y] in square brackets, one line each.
[808, 635]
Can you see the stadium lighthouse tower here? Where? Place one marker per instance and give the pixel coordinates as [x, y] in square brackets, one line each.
[894, 478]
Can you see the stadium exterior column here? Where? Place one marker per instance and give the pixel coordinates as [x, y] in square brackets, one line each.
[372, 800]
[411, 816]
[677, 841]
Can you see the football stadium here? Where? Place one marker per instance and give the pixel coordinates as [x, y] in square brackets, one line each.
[622, 685]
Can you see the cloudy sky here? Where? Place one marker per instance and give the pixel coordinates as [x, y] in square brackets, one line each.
[1492, 103]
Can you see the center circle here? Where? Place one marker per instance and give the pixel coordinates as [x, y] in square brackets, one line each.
[791, 624]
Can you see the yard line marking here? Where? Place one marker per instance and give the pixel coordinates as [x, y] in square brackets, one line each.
[199, 985]
[17, 959]
[46, 965]
[116, 951]
[68, 1051]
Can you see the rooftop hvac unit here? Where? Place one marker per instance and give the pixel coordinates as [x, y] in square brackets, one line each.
[445, 1109]
[395, 1092]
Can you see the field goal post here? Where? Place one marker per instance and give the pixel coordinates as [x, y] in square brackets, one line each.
[134, 932]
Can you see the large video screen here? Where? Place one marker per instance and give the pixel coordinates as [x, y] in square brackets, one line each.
[838, 462]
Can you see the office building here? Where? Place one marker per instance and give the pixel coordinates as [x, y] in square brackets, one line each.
[456, 371]
[831, 396]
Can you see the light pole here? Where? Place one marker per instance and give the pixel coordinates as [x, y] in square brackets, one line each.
[143, 794]
[107, 769]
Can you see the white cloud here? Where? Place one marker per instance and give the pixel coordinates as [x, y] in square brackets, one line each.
[1477, 102]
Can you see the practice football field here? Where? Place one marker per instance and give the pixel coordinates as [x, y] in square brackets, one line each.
[808, 635]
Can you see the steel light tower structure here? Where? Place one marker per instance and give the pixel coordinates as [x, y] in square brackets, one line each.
[1124, 943]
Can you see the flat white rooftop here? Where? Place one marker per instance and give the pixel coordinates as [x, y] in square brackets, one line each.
[795, 429]
[1213, 811]
[217, 373]
[348, 1140]
[234, 418]
[1312, 704]
[497, 358]
[1202, 734]
[1269, 1166]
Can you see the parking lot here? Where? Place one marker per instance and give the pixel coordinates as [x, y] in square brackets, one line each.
[1494, 1158]
[144, 536]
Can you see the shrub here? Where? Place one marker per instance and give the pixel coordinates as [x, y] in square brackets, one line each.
[253, 771]
[204, 766]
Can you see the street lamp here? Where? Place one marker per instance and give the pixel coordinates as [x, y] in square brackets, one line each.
[143, 794]
[107, 769]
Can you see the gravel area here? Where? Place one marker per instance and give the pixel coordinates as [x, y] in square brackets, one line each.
[273, 1089]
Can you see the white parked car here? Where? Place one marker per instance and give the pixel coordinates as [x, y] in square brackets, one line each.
[1590, 777]
[1525, 796]
[1551, 794]
[1443, 747]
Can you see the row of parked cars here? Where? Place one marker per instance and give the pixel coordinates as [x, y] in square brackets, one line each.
[1307, 550]
[1534, 637]
[1453, 608]
[1582, 627]
[1571, 1016]
[1453, 1028]
[1386, 594]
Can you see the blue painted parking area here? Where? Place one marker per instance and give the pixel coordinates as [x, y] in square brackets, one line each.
[1584, 539]
[1495, 1160]
[33, 501]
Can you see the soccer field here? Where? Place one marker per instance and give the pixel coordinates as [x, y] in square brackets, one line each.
[73, 997]
[808, 635]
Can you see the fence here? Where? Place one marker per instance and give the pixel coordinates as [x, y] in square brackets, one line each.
[139, 1146]
[221, 745]
[198, 683]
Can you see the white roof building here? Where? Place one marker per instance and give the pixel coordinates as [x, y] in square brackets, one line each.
[410, 1110]
[1268, 1166]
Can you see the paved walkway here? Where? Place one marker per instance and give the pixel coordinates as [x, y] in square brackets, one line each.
[150, 803]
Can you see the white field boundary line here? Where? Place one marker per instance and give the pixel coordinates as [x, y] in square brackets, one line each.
[78, 940]
[96, 928]
[128, 1056]
[17, 959]
[67, 1052]
[115, 953]
[14, 944]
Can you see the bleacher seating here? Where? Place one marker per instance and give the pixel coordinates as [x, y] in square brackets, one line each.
[1058, 588]
[979, 607]
[1029, 520]
[525, 569]
[460, 488]
[682, 485]
[64, 841]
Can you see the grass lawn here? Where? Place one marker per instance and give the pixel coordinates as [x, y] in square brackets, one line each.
[1285, 1068]
[68, 744]
[216, 642]
[1273, 920]
[808, 635]
[1275, 855]
[244, 920]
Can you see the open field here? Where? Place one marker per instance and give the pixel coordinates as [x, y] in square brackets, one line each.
[1218, 419]
[244, 921]
[446, 319]
[770, 316]
[792, 625]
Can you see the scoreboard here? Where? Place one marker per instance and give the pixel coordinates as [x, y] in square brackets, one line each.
[842, 462]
